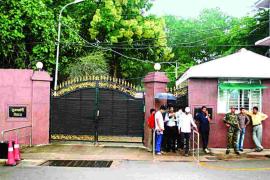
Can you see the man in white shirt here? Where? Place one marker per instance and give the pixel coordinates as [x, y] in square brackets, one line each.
[185, 126]
[159, 128]
[170, 120]
[180, 144]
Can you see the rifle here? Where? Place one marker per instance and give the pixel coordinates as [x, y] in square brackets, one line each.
[232, 125]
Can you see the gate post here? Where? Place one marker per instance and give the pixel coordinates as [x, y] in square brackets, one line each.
[40, 107]
[154, 82]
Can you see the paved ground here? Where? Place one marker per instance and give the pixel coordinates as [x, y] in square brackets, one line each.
[132, 161]
[146, 170]
[124, 151]
[101, 152]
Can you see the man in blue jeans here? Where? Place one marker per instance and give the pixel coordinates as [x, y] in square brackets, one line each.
[243, 121]
[159, 128]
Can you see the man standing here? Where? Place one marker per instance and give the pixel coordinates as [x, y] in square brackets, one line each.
[159, 128]
[179, 119]
[243, 121]
[151, 126]
[257, 118]
[186, 125]
[170, 120]
[231, 121]
[204, 119]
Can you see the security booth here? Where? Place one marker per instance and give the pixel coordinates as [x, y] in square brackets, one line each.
[240, 80]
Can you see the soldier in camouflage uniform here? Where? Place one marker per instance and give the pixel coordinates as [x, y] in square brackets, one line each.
[231, 121]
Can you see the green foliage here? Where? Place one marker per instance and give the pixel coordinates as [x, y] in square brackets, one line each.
[122, 25]
[92, 64]
[28, 35]
[212, 35]
[120, 30]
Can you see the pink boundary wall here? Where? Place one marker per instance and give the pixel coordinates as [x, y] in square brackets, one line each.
[31, 89]
[205, 92]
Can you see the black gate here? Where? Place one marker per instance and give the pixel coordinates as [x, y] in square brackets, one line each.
[97, 109]
[182, 96]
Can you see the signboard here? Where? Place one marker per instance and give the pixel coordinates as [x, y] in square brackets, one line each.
[17, 111]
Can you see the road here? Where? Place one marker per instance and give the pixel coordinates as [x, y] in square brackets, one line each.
[146, 170]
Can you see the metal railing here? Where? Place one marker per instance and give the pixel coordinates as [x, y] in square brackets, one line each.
[3, 132]
[154, 143]
[196, 145]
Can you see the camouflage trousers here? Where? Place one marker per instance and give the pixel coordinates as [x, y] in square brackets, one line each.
[232, 138]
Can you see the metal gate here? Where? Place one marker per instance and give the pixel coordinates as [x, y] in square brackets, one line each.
[97, 109]
[182, 96]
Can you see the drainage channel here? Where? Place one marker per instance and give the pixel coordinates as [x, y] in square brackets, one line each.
[78, 163]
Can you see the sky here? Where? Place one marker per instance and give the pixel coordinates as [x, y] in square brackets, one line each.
[192, 8]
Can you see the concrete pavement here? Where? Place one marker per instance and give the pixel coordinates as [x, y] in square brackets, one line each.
[146, 170]
[124, 151]
[106, 151]
[132, 161]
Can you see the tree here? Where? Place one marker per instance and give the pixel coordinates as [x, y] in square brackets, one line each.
[117, 27]
[212, 35]
[92, 64]
[121, 26]
[28, 35]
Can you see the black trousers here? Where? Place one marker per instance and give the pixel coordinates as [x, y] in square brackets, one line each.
[172, 136]
[205, 137]
[180, 141]
[186, 137]
[165, 138]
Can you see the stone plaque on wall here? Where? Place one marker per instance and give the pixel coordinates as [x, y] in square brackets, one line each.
[17, 111]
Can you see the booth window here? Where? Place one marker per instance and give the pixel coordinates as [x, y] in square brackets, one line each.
[239, 93]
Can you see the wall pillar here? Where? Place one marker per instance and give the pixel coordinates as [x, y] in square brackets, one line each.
[154, 82]
[40, 107]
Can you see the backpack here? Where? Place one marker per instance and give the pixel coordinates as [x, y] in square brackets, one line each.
[151, 121]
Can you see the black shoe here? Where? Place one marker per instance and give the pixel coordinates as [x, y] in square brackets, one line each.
[227, 151]
[241, 150]
[237, 152]
[259, 150]
[186, 154]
